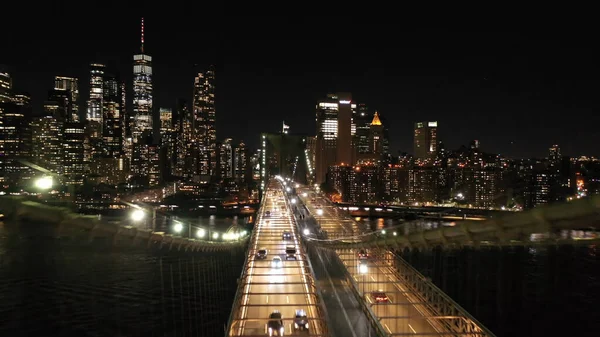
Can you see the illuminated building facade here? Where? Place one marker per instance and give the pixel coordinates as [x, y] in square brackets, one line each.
[425, 140]
[146, 160]
[70, 85]
[168, 140]
[113, 117]
[73, 152]
[47, 138]
[226, 159]
[335, 130]
[5, 86]
[204, 127]
[142, 92]
[184, 163]
[240, 163]
[94, 110]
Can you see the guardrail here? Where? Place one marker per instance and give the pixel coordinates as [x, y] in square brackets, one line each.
[510, 230]
[89, 228]
[438, 301]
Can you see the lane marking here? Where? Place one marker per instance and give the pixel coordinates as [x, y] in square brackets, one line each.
[413, 330]
[267, 298]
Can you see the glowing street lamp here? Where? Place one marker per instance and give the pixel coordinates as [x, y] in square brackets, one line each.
[178, 227]
[306, 231]
[215, 235]
[44, 183]
[201, 233]
[293, 200]
[320, 212]
[304, 195]
[287, 189]
[138, 215]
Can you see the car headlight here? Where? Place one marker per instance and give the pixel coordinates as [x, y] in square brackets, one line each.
[270, 331]
[281, 331]
[296, 325]
[306, 325]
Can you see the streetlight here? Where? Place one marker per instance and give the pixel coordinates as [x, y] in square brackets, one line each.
[293, 200]
[304, 195]
[178, 227]
[138, 215]
[215, 235]
[320, 212]
[363, 269]
[44, 183]
[200, 233]
[287, 189]
[306, 231]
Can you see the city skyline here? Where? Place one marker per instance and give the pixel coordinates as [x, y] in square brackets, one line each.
[471, 98]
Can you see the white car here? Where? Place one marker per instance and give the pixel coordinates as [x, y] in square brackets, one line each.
[276, 263]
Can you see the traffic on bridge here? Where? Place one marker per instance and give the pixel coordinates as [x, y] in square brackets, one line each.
[402, 302]
[276, 294]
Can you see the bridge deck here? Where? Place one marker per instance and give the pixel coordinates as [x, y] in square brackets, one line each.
[407, 311]
[267, 287]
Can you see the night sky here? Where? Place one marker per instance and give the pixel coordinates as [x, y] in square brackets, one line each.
[516, 93]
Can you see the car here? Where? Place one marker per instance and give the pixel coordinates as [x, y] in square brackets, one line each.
[301, 320]
[290, 253]
[363, 254]
[267, 214]
[275, 325]
[380, 297]
[276, 262]
[261, 254]
[286, 235]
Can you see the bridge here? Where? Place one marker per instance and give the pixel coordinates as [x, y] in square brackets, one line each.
[394, 298]
[277, 276]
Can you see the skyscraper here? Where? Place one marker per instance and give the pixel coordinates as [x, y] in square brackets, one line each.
[14, 133]
[112, 116]
[425, 141]
[205, 133]
[71, 86]
[226, 159]
[142, 91]
[184, 140]
[94, 110]
[5, 86]
[335, 129]
[239, 162]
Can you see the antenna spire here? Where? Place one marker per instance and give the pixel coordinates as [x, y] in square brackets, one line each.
[142, 35]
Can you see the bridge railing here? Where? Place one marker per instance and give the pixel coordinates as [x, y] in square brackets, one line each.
[237, 300]
[88, 228]
[454, 317]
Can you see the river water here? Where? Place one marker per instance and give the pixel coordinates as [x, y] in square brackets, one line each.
[56, 287]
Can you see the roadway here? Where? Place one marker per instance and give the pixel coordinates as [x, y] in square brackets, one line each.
[265, 288]
[346, 316]
[404, 313]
